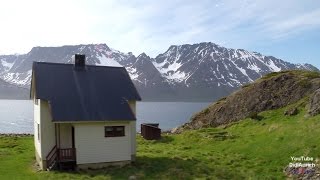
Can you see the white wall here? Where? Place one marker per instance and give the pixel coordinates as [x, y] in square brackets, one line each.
[133, 137]
[90, 143]
[132, 105]
[93, 147]
[47, 132]
[133, 128]
[46, 140]
[36, 115]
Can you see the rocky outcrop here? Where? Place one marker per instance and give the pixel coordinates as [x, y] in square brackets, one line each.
[272, 91]
[315, 103]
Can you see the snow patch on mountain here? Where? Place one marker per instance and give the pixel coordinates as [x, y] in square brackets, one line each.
[254, 67]
[243, 71]
[82, 48]
[171, 67]
[106, 61]
[170, 70]
[273, 67]
[20, 79]
[133, 73]
[243, 54]
[177, 76]
[7, 65]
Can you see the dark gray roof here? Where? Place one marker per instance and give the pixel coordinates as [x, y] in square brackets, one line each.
[97, 93]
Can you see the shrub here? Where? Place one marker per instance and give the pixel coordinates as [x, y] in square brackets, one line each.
[222, 99]
[254, 116]
[312, 74]
[305, 83]
[245, 85]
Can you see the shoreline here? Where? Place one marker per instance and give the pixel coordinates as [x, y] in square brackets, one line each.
[31, 135]
[16, 135]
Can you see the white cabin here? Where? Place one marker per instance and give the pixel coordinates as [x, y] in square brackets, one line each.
[84, 116]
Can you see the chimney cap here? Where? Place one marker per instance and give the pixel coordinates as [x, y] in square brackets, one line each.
[79, 61]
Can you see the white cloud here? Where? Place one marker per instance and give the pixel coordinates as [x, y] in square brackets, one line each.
[294, 25]
[151, 26]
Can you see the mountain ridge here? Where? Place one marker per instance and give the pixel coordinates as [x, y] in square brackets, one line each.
[201, 72]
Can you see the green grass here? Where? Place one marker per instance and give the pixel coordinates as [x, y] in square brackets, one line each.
[248, 149]
[16, 158]
[302, 73]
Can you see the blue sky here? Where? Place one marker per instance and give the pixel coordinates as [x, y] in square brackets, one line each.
[287, 29]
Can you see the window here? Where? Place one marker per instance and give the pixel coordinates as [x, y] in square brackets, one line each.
[113, 131]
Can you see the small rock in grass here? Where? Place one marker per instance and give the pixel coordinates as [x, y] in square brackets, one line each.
[132, 177]
[291, 112]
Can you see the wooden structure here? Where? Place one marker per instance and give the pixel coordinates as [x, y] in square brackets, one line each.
[150, 131]
[61, 158]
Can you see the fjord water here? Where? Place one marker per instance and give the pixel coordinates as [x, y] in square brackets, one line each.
[16, 116]
[168, 114]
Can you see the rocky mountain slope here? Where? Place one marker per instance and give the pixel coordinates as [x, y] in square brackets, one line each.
[9, 91]
[200, 72]
[272, 91]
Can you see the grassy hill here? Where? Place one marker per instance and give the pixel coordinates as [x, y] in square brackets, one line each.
[273, 91]
[257, 149]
